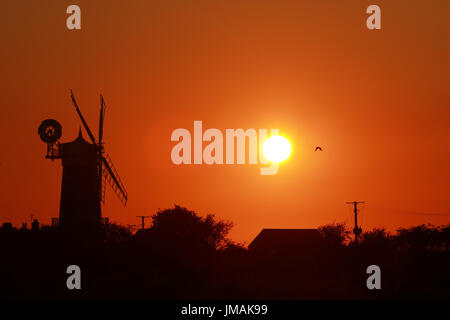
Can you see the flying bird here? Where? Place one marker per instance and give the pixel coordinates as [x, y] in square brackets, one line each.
[318, 148]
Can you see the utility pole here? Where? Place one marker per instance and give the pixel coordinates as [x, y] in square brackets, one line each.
[356, 230]
[143, 220]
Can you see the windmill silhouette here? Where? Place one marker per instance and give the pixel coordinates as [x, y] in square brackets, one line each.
[86, 169]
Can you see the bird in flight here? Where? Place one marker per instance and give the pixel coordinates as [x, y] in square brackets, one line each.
[318, 148]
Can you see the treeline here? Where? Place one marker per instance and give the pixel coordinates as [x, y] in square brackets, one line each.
[185, 256]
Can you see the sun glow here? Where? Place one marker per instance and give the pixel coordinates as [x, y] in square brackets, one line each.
[277, 149]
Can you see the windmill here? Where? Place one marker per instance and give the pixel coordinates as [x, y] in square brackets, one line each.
[86, 169]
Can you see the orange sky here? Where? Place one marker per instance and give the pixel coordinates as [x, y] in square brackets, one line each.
[377, 101]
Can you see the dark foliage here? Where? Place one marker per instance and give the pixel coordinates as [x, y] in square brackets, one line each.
[185, 256]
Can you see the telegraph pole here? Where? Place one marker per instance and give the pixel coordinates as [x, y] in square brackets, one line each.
[143, 220]
[356, 230]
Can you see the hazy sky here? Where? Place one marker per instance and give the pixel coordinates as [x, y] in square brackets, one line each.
[378, 102]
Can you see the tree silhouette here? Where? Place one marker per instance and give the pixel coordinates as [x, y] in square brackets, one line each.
[377, 238]
[114, 233]
[183, 225]
[335, 234]
[424, 238]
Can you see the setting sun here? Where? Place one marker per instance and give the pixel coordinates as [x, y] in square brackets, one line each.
[277, 149]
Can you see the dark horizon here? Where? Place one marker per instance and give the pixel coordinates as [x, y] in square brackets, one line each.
[138, 226]
[185, 256]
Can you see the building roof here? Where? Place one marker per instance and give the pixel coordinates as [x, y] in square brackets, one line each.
[80, 139]
[269, 239]
[79, 152]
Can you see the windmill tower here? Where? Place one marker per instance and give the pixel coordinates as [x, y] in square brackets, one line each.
[86, 168]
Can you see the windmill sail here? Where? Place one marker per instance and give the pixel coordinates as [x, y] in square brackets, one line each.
[106, 169]
[101, 176]
[114, 180]
[91, 136]
[102, 118]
